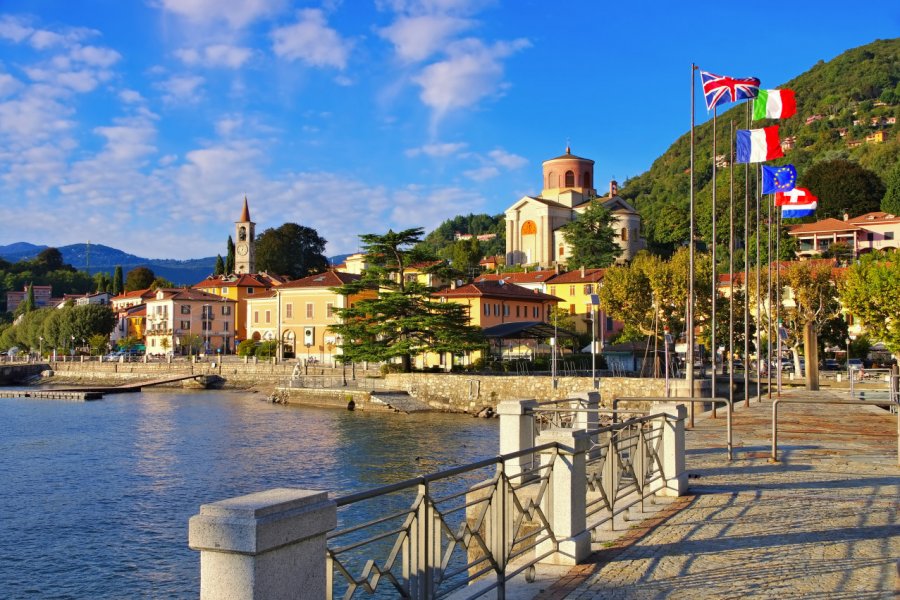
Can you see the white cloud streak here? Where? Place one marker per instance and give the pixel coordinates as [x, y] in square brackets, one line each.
[312, 41]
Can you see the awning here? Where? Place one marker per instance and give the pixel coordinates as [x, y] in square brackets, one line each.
[526, 330]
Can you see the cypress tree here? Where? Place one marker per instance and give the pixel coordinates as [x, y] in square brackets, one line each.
[118, 283]
[220, 266]
[229, 257]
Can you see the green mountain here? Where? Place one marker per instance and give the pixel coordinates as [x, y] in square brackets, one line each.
[441, 240]
[840, 104]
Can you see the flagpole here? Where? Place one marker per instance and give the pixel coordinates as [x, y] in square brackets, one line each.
[689, 354]
[758, 269]
[778, 294]
[747, 276]
[769, 297]
[731, 275]
[713, 345]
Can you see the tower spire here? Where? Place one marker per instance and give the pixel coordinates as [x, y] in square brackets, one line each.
[245, 214]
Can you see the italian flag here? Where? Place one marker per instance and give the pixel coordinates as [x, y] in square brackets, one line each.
[774, 104]
[758, 145]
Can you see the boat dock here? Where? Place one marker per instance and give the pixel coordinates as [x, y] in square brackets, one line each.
[86, 393]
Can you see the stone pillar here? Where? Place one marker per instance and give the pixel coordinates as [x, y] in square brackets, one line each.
[674, 473]
[586, 401]
[267, 545]
[517, 433]
[564, 502]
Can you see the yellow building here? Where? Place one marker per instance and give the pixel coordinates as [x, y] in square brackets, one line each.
[575, 289]
[130, 314]
[239, 288]
[180, 320]
[299, 313]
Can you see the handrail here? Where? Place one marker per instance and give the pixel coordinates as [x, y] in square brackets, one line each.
[727, 402]
[774, 457]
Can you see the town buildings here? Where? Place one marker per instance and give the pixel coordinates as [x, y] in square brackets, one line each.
[188, 321]
[871, 232]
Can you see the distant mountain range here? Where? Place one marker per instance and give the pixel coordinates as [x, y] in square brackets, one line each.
[96, 258]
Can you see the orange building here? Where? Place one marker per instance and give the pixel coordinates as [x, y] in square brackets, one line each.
[239, 288]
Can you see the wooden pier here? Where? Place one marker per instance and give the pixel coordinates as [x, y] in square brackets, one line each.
[71, 396]
[97, 392]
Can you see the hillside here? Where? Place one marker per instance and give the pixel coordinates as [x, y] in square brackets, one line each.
[105, 259]
[839, 104]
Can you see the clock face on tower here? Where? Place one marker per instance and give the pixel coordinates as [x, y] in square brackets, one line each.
[242, 249]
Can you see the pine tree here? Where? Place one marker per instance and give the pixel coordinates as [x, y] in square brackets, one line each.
[220, 266]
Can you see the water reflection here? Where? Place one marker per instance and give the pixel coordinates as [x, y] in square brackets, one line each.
[96, 496]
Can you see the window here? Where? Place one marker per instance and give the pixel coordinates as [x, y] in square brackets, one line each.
[206, 325]
[309, 310]
[609, 323]
[552, 290]
[888, 235]
[487, 309]
[587, 179]
[571, 290]
[496, 310]
[226, 309]
[534, 312]
[506, 310]
[256, 316]
[570, 179]
[249, 291]
[185, 325]
[571, 309]
[870, 236]
[224, 291]
[329, 310]
[517, 311]
[624, 235]
[268, 316]
[225, 326]
[562, 250]
[185, 309]
[529, 228]
[589, 288]
[288, 311]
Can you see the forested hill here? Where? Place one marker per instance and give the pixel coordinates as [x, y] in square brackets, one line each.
[840, 103]
[441, 240]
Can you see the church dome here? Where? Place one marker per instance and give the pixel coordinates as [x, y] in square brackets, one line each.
[569, 172]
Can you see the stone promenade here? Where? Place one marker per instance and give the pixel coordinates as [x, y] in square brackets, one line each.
[824, 522]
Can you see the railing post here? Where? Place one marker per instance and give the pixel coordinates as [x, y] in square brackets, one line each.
[265, 545]
[516, 433]
[676, 478]
[564, 503]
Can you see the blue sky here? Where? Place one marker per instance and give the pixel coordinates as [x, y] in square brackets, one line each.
[141, 124]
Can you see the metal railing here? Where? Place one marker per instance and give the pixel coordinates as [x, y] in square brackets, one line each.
[458, 528]
[468, 530]
[774, 456]
[867, 376]
[729, 437]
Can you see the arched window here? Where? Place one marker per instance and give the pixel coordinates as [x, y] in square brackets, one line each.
[551, 180]
[529, 228]
[587, 180]
[570, 179]
[624, 234]
[242, 234]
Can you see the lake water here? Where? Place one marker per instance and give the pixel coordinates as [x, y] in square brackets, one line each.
[95, 497]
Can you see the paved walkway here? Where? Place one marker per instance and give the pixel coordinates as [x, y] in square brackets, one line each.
[822, 523]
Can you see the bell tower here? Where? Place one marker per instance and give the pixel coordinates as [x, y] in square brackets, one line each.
[245, 246]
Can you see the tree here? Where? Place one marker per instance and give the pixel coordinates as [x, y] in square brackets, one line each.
[49, 259]
[161, 282]
[292, 250]
[871, 292]
[102, 282]
[229, 256]
[246, 348]
[591, 238]
[220, 266]
[403, 320]
[842, 185]
[466, 256]
[28, 303]
[891, 201]
[118, 282]
[139, 278]
[97, 343]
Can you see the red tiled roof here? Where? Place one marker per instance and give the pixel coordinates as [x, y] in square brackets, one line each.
[243, 280]
[875, 217]
[590, 276]
[133, 294]
[325, 280]
[496, 289]
[190, 294]
[825, 225]
[519, 278]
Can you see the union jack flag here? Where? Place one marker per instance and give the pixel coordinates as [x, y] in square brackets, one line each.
[719, 89]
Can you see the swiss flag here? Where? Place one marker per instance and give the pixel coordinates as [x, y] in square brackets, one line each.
[795, 196]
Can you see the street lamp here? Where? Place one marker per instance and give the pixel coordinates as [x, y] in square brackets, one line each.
[595, 301]
[41, 340]
[72, 350]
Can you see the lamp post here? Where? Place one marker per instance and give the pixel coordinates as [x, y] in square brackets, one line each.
[667, 339]
[72, 349]
[41, 341]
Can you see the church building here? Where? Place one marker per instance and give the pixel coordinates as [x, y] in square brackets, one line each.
[245, 246]
[533, 234]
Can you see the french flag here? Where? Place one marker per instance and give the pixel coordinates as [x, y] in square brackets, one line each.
[758, 145]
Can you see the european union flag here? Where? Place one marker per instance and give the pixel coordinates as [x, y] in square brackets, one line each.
[779, 179]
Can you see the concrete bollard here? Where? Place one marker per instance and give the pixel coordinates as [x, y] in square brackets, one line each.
[673, 464]
[267, 545]
[516, 433]
[564, 502]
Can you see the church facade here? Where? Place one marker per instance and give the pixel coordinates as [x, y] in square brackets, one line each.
[533, 224]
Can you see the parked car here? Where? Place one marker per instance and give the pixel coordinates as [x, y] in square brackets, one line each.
[855, 364]
[830, 364]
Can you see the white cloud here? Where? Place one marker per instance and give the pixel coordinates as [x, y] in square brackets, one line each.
[181, 89]
[471, 72]
[130, 96]
[417, 38]
[310, 40]
[237, 13]
[482, 173]
[9, 84]
[14, 29]
[507, 160]
[216, 55]
[416, 206]
[436, 150]
[81, 81]
[95, 56]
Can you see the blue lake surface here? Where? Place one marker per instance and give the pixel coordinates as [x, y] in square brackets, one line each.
[95, 497]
